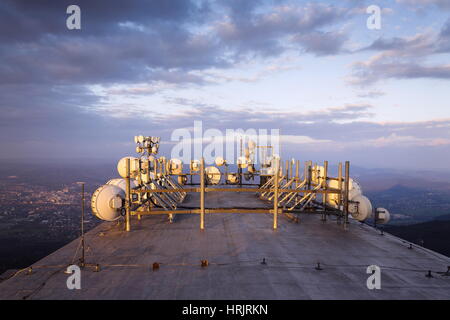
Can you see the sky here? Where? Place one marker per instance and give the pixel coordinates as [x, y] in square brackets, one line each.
[335, 89]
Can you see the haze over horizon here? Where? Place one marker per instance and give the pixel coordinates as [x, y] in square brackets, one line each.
[335, 89]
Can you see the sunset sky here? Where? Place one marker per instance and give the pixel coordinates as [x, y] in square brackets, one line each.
[335, 89]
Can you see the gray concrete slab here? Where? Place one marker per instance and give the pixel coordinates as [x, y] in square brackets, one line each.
[235, 245]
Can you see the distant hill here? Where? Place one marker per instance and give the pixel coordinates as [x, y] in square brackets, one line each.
[384, 179]
[443, 217]
[56, 173]
[434, 235]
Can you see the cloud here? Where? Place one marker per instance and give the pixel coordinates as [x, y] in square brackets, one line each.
[404, 58]
[442, 4]
[372, 94]
[302, 140]
[153, 42]
[40, 18]
[322, 43]
[364, 74]
[267, 34]
[49, 75]
[406, 141]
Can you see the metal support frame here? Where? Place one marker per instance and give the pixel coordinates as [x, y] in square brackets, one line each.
[82, 262]
[324, 187]
[275, 200]
[276, 188]
[127, 196]
[202, 194]
[346, 192]
[340, 188]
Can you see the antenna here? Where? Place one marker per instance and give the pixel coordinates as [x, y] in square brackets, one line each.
[82, 224]
[82, 261]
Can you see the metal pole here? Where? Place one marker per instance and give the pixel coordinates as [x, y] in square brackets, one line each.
[127, 196]
[347, 187]
[309, 174]
[339, 200]
[287, 170]
[291, 172]
[297, 175]
[324, 186]
[305, 173]
[202, 194]
[82, 225]
[275, 199]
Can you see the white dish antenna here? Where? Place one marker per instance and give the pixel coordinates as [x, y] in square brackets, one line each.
[317, 174]
[382, 216]
[175, 166]
[213, 175]
[182, 180]
[232, 178]
[242, 162]
[220, 161]
[361, 208]
[251, 145]
[122, 184]
[122, 167]
[354, 189]
[195, 165]
[107, 201]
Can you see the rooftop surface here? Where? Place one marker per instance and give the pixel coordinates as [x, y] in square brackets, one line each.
[235, 246]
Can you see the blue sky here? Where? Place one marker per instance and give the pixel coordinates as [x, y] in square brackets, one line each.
[379, 98]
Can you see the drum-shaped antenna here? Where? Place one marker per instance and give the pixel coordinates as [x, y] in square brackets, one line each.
[106, 202]
[220, 161]
[182, 179]
[122, 184]
[360, 208]
[382, 216]
[213, 175]
[354, 189]
[122, 167]
[175, 166]
[232, 178]
[242, 162]
[317, 174]
[195, 165]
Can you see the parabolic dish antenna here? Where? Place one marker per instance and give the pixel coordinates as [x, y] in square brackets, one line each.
[213, 175]
[232, 178]
[251, 145]
[317, 174]
[122, 167]
[122, 184]
[106, 202]
[361, 210]
[220, 161]
[175, 166]
[195, 165]
[354, 189]
[383, 216]
[242, 162]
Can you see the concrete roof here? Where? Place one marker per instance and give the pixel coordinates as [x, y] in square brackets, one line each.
[235, 245]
